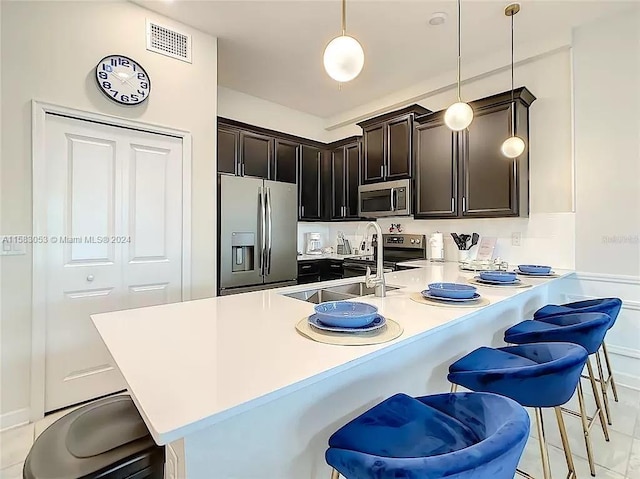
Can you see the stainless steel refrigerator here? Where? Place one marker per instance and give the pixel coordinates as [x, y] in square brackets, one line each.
[258, 234]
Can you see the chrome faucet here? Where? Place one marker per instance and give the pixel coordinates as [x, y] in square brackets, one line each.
[378, 279]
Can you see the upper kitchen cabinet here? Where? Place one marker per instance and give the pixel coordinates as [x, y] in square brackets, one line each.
[345, 178]
[436, 177]
[309, 184]
[388, 145]
[286, 161]
[256, 151]
[464, 174]
[228, 141]
[492, 185]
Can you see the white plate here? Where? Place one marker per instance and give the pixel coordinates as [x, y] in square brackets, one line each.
[428, 295]
[377, 323]
[515, 282]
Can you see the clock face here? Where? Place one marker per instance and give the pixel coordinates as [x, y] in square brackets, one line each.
[123, 80]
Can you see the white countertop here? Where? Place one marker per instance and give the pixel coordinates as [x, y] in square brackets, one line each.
[190, 365]
[305, 257]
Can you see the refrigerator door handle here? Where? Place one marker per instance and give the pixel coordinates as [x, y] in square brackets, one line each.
[263, 226]
[270, 227]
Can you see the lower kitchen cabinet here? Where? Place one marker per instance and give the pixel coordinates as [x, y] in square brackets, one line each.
[464, 174]
[313, 271]
[309, 271]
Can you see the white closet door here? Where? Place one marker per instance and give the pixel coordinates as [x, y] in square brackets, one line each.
[110, 192]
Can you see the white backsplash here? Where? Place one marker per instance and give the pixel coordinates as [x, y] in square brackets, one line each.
[545, 238]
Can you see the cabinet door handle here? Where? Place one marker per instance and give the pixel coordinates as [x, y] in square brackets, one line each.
[242, 169]
[302, 209]
[307, 266]
[381, 171]
[464, 204]
[453, 204]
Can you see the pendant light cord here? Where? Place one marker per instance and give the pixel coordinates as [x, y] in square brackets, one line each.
[459, 50]
[344, 17]
[513, 104]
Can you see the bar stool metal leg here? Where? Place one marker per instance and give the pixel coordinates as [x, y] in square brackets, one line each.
[596, 396]
[544, 452]
[565, 444]
[609, 372]
[603, 389]
[585, 429]
[335, 474]
[454, 387]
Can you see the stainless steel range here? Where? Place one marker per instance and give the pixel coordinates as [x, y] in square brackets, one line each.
[396, 249]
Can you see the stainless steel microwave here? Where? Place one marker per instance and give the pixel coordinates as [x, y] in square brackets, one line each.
[391, 198]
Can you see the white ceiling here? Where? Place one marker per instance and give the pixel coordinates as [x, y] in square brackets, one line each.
[273, 49]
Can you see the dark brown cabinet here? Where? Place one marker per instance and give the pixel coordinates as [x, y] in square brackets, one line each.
[228, 139]
[464, 174]
[255, 155]
[388, 145]
[345, 179]
[286, 161]
[309, 184]
[436, 170]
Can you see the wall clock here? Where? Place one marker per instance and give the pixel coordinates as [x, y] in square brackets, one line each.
[123, 80]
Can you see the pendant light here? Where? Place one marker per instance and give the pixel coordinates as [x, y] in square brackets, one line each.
[459, 115]
[513, 146]
[343, 56]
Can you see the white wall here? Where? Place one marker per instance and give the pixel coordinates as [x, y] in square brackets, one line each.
[607, 154]
[607, 102]
[49, 51]
[256, 111]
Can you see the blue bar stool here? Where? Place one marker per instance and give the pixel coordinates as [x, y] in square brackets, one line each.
[587, 330]
[457, 436]
[608, 306]
[537, 375]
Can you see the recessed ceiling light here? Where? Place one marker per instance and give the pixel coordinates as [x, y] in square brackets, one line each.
[438, 18]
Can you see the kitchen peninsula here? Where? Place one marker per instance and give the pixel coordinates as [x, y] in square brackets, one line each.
[252, 398]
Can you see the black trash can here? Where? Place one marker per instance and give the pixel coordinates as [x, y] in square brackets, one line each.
[106, 439]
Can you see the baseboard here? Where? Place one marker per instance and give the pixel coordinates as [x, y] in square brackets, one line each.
[627, 380]
[14, 418]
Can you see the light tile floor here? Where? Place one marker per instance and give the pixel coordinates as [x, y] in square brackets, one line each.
[617, 459]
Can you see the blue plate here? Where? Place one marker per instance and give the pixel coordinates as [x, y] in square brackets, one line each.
[499, 276]
[497, 283]
[550, 274]
[346, 314]
[452, 290]
[377, 323]
[534, 269]
[426, 294]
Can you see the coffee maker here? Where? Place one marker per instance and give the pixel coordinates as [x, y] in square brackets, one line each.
[313, 242]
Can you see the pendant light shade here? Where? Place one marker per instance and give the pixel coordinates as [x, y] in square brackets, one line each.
[513, 146]
[459, 115]
[343, 57]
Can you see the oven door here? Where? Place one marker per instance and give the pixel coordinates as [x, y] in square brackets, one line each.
[391, 198]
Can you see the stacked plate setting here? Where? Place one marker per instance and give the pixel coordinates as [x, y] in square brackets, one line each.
[534, 270]
[498, 278]
[451, 293]
[346, 317]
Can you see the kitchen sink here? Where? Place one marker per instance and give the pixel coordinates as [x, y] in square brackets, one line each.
[335, 293]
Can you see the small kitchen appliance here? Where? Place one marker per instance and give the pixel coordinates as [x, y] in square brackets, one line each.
[436, 247]
[314, 243]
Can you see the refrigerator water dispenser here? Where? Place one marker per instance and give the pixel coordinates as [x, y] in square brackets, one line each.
[242, 251]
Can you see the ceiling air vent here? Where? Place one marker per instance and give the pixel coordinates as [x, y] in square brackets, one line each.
[166, 41]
